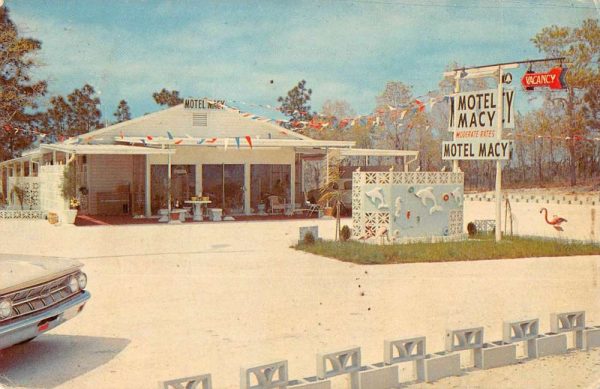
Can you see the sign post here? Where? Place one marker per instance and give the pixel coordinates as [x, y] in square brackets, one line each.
[481, 113]
[499, 126]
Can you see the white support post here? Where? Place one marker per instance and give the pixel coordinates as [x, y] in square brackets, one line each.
[499, 127]
[148, 195]
[292, 186]
[456, 90]
[169, 181]
[198, 178]
[247, 184]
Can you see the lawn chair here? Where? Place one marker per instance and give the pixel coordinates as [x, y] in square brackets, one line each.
[310, 207]
[276, 204]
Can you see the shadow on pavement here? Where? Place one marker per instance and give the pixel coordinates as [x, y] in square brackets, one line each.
[52, 360]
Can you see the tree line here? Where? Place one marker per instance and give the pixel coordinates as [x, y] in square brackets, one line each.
[555, 144]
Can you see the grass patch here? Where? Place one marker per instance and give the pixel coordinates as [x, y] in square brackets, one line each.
[481, 247]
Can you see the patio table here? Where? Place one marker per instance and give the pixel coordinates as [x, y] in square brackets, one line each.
[197, 208]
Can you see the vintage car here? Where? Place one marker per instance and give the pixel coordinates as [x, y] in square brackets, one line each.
[38, 294]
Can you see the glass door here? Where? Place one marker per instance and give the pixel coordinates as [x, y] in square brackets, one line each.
[224, 185]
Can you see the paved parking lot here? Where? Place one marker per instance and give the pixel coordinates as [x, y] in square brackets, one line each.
[177, 300]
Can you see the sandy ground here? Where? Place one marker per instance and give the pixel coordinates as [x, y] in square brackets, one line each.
[177, 300]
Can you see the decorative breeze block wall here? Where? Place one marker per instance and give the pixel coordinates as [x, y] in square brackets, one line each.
[407, 206]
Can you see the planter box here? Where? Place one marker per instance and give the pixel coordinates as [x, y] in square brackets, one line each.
[439, 365]
[374, 377]
[591, 337]
[495, 354]
[550, 344]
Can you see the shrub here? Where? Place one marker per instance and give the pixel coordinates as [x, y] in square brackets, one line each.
[309, 238]
[345, 233]
[471, 229]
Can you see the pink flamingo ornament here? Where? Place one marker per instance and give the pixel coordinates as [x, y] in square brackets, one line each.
[556, 220]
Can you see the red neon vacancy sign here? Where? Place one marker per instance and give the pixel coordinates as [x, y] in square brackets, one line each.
[553, 79]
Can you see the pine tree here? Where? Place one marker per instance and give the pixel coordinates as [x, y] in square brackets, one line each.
[168, 98]
[18, 92]
[123, 112]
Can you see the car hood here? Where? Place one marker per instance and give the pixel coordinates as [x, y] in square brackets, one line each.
[22, 271]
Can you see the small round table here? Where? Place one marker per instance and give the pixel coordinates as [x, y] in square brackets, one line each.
[197, 208]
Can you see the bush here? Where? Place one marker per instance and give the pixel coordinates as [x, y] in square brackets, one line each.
[345, 233]
[471, 229]
[309, 238]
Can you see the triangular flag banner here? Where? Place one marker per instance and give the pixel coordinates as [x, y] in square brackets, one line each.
[149, 137]
[201, 140]
[225, 143]
[249, 140]
[143, 141]
[212, 140]
[169, 135]
[178, 141]
[237, 142]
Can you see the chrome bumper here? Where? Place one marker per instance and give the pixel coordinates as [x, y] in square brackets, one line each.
[31, 326]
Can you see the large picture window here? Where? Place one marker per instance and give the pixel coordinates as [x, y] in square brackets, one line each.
[268, 180]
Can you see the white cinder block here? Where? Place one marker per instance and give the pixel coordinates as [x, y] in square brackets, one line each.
[550, 344]
[379, 378]
[440, 365]
[312, 385]
[591, 338]
[495, 355]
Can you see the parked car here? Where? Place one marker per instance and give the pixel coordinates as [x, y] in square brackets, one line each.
[38, 294]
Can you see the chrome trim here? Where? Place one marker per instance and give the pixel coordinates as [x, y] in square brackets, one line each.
[38, 293]
[83, 297]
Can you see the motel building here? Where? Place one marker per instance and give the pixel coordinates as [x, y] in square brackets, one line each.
[203, 148]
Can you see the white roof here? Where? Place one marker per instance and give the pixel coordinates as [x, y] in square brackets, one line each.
[180, 122]
[105, 149]
[231, 142]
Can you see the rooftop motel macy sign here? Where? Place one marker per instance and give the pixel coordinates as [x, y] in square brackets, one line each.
[474, 119]
[203, 104]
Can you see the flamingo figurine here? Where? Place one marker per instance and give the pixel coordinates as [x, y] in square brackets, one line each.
[556, 220]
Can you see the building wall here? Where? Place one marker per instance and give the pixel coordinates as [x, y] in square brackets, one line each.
[106, 173]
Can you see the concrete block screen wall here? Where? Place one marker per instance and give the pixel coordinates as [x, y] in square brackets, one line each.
[406, 206]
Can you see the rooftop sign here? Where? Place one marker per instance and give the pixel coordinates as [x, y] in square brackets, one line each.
[204, 103]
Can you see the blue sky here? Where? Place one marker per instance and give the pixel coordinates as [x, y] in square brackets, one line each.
[232, 50]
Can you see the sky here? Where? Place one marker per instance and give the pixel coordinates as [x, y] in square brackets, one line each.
[254, 51]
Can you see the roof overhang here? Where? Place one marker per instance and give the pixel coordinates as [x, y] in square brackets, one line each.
[232, 142]
[105, 149]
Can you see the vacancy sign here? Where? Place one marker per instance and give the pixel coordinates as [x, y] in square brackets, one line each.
[553, 79]
[476, 112]
[477, 149]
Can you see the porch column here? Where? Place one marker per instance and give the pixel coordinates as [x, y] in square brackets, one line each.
[147, 208]
[198, 179]
[247, 208]
[293, 185]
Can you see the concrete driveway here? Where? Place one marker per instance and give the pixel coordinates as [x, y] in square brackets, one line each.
[178, 300]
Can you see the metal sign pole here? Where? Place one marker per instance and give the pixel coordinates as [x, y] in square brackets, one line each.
[499, 127]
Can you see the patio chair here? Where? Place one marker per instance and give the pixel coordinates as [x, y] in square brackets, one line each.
[276, 204]
[310, 207]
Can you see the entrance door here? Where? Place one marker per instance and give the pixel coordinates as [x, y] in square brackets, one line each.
[224, 184]
[183, 185]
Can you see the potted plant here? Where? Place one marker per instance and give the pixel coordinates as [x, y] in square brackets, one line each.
[331, 195]
[18, 192]
[69, 193]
